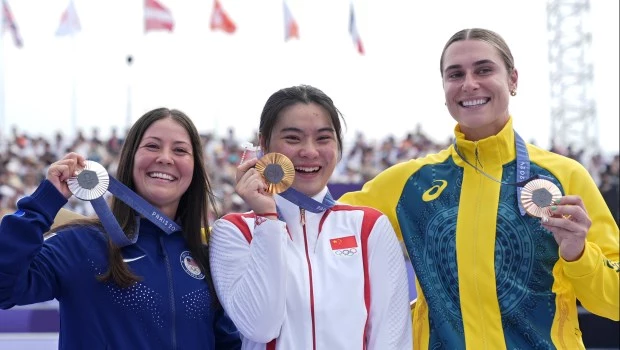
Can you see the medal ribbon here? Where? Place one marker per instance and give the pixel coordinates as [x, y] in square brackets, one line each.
[144, 208]
[523, 169]
[308, 203]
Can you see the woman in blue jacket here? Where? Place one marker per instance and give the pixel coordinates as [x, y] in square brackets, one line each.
[155, 292]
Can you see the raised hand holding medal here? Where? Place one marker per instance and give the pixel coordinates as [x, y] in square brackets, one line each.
[89, 181]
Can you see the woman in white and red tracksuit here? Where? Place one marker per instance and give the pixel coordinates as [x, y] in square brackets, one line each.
[300, 271]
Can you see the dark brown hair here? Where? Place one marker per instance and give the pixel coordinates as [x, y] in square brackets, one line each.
[191, 212]
[286, 97]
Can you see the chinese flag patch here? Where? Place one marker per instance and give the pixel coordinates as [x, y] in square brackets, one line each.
[343, 242]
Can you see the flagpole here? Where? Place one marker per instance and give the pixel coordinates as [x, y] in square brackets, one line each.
[2, 107]
[129, 80]
[73, 88]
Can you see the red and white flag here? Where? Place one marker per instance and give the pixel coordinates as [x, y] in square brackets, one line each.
[220, 20]
[69, 22]
[9, 23]
[291, 29]
[354, 33]
[344, 246]
[157, 17]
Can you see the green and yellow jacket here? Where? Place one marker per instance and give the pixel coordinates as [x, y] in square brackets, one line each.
[486, 276]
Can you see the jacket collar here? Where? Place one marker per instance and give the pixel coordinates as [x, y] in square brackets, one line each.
[487, 153]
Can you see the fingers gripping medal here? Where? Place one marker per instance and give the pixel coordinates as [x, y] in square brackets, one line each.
[277, 170]
[537, 195]
[92, 182]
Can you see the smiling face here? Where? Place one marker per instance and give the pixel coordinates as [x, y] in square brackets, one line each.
[477, 87]
[163, 165]
[305, 134]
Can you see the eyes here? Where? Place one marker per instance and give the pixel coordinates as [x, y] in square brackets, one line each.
[459, 74]
[321, 138]
[179, 150]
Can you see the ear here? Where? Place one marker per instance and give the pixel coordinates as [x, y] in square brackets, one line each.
[513, 79]
[262, 142]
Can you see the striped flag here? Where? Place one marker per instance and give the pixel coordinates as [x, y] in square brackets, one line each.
[9, 23]
[354, 33]
[69, 22]
[157, 17]
[291, 30]
[220, 20]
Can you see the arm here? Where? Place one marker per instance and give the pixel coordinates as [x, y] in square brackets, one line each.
[389, 324]
[250, 278]
[588, 241]
[27, 265]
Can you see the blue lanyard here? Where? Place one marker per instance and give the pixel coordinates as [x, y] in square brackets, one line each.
[522, 173]
[523, 168]
[110, 224]
[308, 203]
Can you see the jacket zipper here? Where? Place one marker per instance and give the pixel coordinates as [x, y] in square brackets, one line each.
[302, 221]
[171, 294]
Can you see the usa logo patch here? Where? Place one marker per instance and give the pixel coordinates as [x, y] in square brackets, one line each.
[190, 266]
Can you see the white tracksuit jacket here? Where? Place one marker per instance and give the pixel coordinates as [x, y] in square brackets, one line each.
[338, 282]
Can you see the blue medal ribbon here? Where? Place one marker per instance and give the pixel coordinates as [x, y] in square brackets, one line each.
[523, 169]
[127, 196]
[308, 203]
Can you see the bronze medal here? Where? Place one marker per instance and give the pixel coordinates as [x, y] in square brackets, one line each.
[90, 183]
[277, 170]
[537, 195]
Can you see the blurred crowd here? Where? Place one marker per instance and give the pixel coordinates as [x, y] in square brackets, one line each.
[24, 161]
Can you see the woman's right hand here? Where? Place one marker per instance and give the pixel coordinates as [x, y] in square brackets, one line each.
[252, 188]
[60, 171]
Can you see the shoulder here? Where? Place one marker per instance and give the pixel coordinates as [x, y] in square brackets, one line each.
[368, 212]
[84, 235]
[555, 163]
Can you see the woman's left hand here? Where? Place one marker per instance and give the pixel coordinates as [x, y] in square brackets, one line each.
[569, 224]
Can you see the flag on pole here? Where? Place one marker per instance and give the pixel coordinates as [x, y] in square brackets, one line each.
[9, 23]
[291, 30]
[69, 22]
[157, 17]
[220, 19]
[354, 33]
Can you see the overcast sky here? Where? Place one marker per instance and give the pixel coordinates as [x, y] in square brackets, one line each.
[223, 80]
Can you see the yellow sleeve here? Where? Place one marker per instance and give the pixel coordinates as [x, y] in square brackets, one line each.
[384, 191]
[595, 276]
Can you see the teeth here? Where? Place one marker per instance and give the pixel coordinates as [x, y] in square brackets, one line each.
[161, 176]
[477, 102]
[307, 170]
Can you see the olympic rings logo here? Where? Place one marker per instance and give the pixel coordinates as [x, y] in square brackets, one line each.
[346, 252]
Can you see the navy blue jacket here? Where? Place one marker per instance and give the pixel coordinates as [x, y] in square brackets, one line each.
[170, 308]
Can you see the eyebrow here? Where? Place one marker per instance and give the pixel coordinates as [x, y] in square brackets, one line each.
[298, 130]
[160, 140]
[477, 63]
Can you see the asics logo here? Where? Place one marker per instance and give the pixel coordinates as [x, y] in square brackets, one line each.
[434, 192]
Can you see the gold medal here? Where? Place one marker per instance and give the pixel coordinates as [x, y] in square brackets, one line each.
[537, 195]
[277, 170]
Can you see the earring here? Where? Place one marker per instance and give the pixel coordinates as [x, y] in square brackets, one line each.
[445, 104]
[513, 92]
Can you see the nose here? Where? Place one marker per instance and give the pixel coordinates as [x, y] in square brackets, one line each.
[470, 83]
[165, 157]
[309, 150]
